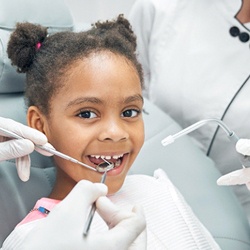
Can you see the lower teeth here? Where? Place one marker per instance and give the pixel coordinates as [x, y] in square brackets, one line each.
[118, 163]
[104, 166]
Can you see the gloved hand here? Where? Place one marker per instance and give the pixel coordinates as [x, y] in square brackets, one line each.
[63, 227]
[19, 148]
[241, 176]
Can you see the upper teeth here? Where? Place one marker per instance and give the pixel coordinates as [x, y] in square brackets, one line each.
[107, 157]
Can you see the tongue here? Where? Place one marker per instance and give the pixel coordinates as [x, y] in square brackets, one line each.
[95, 161]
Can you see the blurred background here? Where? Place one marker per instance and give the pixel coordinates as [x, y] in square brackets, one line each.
[89, 11]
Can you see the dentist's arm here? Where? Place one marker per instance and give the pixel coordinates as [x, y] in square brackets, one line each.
[63, 227]
[19, 149]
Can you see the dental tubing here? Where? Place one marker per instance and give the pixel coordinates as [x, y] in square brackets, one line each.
[230, 134]
[171, 138]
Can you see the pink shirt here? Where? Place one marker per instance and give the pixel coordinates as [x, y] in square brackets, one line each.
[35, 214]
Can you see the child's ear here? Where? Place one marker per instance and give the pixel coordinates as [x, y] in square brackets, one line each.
[35, 119]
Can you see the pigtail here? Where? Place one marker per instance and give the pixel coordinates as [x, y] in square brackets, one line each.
[125, 29]
[24, 43]
[119, 28]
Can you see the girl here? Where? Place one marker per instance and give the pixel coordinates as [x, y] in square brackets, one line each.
[84, 92]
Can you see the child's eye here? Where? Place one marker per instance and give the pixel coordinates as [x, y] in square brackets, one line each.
[131, 113]
[87, 114]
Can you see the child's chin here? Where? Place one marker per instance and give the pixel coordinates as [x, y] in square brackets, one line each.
[112, 189]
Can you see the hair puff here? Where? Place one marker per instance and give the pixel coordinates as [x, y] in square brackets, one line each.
[22, 46]
[120, 25]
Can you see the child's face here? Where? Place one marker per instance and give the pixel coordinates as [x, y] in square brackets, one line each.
[97, 113]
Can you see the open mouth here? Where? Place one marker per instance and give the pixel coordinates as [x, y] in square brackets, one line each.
[98, 159]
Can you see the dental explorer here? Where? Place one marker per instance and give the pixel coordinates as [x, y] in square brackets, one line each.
[50, 150]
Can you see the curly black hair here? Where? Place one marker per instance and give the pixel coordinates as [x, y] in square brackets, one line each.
[46, 58]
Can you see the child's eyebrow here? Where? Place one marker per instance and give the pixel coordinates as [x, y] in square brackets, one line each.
[95, 100]
[134, 98]
[84, 100]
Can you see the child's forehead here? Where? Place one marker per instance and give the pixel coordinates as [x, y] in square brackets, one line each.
[108, 74]
[99, 57]
[101, 63]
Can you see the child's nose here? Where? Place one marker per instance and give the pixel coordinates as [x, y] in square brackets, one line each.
[114, 130]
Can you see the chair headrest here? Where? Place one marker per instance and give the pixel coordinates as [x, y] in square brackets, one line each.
[53, 14]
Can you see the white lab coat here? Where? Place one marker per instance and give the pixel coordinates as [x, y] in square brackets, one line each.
[195, 70]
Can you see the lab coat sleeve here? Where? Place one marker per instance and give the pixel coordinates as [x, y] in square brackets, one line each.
[148, 18]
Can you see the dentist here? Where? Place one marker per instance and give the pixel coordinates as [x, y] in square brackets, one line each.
[126, 226]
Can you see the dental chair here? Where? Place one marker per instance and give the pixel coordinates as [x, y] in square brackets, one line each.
[189, 169]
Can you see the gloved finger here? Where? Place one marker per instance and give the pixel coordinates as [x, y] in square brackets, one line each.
[243, 146]
[140, 243]
[44, 152]
[110, 212]
[125, 226]
[15, 148]
[237, 177]
[24, 131]
[23, 167]
[81, 197]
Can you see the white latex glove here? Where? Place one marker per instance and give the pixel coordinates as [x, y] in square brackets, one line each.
[20, 148]
[127, 224]
[63, 227]
[243, 146]
[241, 176]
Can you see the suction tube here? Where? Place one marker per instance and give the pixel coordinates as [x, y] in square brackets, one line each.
[171, 138]
[244, 159]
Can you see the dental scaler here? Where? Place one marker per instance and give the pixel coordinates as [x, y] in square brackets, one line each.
[47, 149]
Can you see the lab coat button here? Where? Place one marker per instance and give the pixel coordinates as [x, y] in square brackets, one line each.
[234, 31]
[244, 37]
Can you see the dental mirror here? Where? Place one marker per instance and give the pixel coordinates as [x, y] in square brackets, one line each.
[105, 166]
[102, 167]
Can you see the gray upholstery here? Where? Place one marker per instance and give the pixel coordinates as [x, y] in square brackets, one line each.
[53, 14]
[190, 170]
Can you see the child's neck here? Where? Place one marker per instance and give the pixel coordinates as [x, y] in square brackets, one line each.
[57, 194]
[61, 188]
